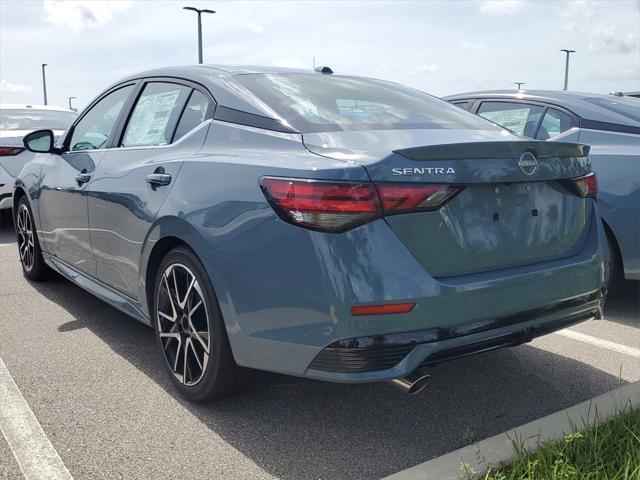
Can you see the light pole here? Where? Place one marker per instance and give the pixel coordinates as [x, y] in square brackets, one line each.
[199, 12]
[70, 107]
[518, 84]
[44, 83]
[566, 68]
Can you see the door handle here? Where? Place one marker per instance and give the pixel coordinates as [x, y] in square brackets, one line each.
[158, 178]
[83, 178]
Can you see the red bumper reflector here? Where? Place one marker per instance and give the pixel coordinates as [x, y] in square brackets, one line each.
[382, 309]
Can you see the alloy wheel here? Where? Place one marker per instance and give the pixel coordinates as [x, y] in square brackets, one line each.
[183, 324]
[25, 237]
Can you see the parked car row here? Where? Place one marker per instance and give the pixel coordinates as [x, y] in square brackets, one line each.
[325, 226]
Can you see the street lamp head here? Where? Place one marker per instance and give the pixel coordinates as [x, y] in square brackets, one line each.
[568, 51]
[197, 10]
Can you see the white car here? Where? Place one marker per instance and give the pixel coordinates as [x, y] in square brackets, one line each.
[15, 122]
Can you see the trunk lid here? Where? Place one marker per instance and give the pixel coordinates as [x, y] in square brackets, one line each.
[515, 207]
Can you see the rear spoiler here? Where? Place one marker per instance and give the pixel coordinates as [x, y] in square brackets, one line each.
[494, 150]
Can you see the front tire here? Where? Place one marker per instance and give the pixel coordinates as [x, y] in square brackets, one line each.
[190, 331]
[33, 265]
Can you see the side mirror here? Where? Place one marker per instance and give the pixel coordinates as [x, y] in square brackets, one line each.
[40, 141]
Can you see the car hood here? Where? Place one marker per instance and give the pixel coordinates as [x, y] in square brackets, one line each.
[373, 145]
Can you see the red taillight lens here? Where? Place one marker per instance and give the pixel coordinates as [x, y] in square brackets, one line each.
[339, 206]
[10, 151]
[399, 198]
[382, 309]
[327, 206]
[587, 186]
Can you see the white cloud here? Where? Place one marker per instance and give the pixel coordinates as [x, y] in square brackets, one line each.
[291, 63]
[607, 37]
[501, 7]
[427, 68]
[82, 14]
[253, 27]
[587, 21]
[8, 87]
[475, 46]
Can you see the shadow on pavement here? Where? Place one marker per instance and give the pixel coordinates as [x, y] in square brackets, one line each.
[295, 428]
[7, 233]
[623, 305]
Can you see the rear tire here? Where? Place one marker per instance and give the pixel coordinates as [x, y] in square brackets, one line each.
[190, 331]
[613, 266]
[33, 265]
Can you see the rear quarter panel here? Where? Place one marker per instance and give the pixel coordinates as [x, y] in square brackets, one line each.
[615, 157]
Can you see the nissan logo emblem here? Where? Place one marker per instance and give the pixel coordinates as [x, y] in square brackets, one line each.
[528, 163]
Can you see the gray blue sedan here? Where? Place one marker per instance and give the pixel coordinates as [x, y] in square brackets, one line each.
[326, 226]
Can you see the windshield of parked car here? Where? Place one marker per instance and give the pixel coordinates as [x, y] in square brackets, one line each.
[32, 119]
[625, 106]
[321, 103]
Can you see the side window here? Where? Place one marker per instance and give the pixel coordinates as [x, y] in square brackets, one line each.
[155, 115]
[553, 124]
[193, 115]
[93, 130]
[465, 104]
[521, 118]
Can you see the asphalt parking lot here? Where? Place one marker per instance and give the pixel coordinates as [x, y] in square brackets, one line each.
[93, 379]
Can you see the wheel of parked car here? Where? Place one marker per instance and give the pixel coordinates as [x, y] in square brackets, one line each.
[190, 330]
[613, 266]
[33, 264]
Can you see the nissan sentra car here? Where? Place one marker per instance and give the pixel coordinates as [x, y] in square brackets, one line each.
[611, 126]
[320, 225]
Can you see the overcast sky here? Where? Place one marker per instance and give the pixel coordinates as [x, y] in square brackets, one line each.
[441, 47]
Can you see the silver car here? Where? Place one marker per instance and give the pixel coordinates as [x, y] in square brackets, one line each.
[15, 122]
[610, 124]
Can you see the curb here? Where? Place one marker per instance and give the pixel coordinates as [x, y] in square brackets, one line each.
[499, 448]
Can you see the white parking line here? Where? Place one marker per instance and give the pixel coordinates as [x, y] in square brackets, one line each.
[34, 453]
[598, 342]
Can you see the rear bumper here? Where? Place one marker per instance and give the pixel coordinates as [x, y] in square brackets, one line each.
[5, 201]
[396, 355]
[286, 296]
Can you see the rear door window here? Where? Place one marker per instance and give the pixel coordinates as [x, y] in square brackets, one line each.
[465, 104]
[553, 124]
[155, 115]
[521, 118]
[193, 115]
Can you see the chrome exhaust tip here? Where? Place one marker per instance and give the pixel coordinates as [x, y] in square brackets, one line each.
[413, 383]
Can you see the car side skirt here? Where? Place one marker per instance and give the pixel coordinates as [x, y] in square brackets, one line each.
[95, 287]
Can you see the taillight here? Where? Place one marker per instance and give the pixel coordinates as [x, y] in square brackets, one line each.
[587, 186]
[327, 206]
[10, 151]
[339, 206]
[402, 198]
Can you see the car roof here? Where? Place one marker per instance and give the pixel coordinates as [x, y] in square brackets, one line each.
[28, 106]
[221, 81]
[576, 102]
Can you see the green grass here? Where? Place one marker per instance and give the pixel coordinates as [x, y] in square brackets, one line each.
[610, 451]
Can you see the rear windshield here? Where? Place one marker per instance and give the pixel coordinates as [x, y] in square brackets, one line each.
[322, 103]
[32, 119]
[627, 107]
